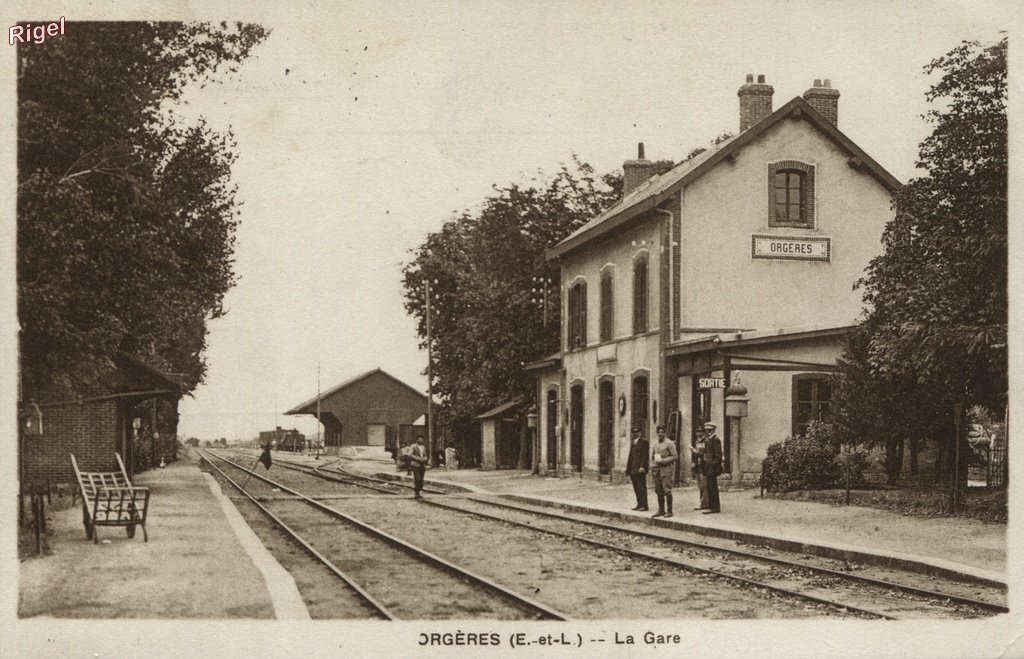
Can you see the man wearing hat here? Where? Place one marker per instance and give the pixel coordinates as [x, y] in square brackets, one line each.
[711, 468]
[663, 461]
[636, 467]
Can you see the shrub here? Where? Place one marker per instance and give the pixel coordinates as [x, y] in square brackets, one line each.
[811, 462]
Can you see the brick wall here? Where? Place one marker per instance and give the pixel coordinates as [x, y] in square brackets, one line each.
[88, 430]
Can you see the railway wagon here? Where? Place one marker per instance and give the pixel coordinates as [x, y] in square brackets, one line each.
[292, 441]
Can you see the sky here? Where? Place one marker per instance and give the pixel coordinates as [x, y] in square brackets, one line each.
[361, 127]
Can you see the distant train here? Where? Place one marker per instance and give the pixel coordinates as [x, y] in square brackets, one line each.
[283, 440]
[293, 441]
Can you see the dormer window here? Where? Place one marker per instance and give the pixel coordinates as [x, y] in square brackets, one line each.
[791, 194]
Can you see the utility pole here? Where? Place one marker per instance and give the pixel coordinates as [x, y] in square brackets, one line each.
[317, 410]
[430, 384]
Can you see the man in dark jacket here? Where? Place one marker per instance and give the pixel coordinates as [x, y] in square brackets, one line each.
[712, 468]
[636, 468]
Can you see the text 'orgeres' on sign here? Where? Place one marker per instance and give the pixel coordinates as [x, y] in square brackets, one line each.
[793, 248]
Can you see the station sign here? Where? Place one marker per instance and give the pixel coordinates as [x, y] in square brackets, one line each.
[711, 383]
[791, 248]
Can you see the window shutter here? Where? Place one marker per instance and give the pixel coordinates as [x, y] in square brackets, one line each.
[583, 313]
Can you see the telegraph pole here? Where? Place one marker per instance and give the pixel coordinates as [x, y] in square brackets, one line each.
[430, 385]
[317, 457]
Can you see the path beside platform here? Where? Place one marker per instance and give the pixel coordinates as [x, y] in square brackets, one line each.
[201, 561]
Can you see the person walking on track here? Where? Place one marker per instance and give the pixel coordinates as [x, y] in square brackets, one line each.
[636, 468]
[663, 460]
[418, 460]
[712, 468]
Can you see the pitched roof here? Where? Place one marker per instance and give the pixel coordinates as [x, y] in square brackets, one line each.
[743, 339]
[658, 188]
[501, 409]
[309, 406]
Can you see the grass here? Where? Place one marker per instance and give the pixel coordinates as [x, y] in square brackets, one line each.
[918, 501]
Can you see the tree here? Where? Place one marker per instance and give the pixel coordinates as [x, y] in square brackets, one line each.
[939, 290]
[126, 213]
[481, 267]
[937, 295]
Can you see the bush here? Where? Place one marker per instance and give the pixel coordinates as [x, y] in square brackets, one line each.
[811, 462]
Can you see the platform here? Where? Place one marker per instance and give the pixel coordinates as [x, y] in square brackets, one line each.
[201, 561]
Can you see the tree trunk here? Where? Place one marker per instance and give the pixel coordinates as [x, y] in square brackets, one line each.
[915, 446]
[525, 446]
[893, 460]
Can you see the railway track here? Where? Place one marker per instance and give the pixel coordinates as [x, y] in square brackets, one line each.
[867, 595]
[398, 570]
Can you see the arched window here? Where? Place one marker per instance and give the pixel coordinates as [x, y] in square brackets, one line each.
[577, 334]
[791, 194]
[640, 294]
[607, 306]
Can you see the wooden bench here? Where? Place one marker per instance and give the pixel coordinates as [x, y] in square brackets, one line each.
[110, 499]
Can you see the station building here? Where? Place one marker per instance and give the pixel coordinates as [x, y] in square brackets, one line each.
[371, 409]
[133, 411]
[737, 265]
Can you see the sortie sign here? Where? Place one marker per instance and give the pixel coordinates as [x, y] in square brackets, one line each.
[792, 248]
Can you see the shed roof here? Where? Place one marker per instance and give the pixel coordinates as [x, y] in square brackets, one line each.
[309, 406]
[501, 409]
[658, 188]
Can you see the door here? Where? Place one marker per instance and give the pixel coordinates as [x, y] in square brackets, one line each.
[552, 436]
[376, 434]
[641, 398]
[606, 415]
[576, 428]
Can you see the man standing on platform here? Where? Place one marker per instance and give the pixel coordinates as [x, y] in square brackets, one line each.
[418, 459]
[712, 468]
[663, 460]
[636, 468]
[697, 460]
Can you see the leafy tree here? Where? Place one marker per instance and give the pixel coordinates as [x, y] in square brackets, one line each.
[482, 267]
[936, 330]
[939, 290]
[126, 212]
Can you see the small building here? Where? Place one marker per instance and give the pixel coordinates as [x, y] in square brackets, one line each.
[133, 411]
[740, 261]
[501, 431]
[366, 410]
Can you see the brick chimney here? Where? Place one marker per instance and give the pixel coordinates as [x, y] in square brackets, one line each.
[824, 99]
[755, 101]
[635, 172]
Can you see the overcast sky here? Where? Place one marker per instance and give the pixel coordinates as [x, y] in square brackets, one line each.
[361, 127]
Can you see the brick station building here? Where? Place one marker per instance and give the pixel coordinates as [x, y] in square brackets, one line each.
[738, 264]
[134, 412]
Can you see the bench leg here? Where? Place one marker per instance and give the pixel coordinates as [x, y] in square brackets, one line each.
[145, 536]
[130, 530]
[89, 530]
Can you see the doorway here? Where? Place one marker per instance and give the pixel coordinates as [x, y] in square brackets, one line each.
[606, 438]
[576, 428]
[552, 436]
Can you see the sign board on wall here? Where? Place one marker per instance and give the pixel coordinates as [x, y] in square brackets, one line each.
[711, 383]
[791, 248]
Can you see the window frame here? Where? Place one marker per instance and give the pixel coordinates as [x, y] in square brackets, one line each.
[806, 172]
[641, 298]
[576, 334]
[816, 404]
[607, 317]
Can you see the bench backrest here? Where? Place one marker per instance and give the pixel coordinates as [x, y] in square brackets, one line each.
[91, 481]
